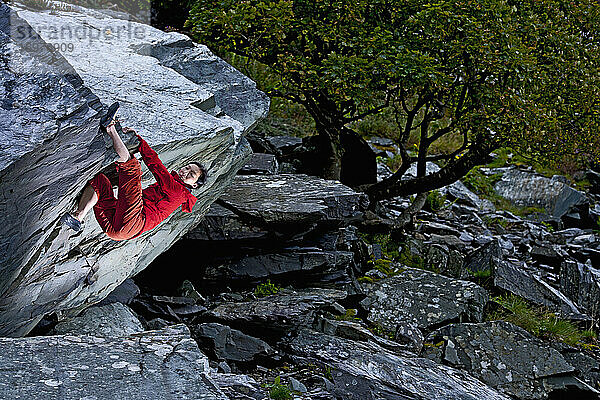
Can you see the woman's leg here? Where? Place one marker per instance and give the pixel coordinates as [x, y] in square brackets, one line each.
[88, 200]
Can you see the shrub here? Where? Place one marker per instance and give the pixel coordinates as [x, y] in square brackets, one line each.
[266, 289]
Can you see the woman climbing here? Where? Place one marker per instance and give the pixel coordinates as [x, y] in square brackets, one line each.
[134, 210]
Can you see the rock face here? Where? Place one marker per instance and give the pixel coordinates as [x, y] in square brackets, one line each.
[366, 371]
[278, 313]
[111, 320]
[230, 344]
[163, 364]
[507, 358]
[527, 189]
[187, 103]
[424, 298]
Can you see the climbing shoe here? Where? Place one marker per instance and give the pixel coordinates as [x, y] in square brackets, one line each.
[110, 114]
[71, 222]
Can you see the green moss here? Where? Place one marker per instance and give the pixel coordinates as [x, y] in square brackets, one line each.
[540, 322]
[389, 247]
[382, 332]
[411, 260]
[278, 391]
[435, 201]
[266, 289]
[367, 279]
[350, 315]
[435, 345]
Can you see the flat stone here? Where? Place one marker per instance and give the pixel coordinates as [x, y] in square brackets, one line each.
[423, 298]
[285, 199]
[513, 277]
[260, 163]
[230, 344]
[124, 293]
[528, 189]
[278, 313]
[163, 364]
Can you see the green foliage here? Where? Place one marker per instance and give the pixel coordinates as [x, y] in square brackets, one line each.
[328, 374]
[435, 201]
[389, 247]
[548, 226]
[266, 289]
[278, 391]
[349, 315]
[540, 322]
[482, 184]
[488, 73]
[382, 332]
[411, 260]
[481, 274]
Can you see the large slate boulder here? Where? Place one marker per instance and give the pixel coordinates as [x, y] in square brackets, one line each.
[186, 102]
[229, 344]
[367, 371]
[276, 314]
[529, 189]
[516, 278]
[286, 204]
[110, 320]
[164, 364]
[581, 284]
[509, 359]
[424, 298]
[288, 201]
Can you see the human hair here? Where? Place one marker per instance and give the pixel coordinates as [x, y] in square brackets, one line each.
[201, 178]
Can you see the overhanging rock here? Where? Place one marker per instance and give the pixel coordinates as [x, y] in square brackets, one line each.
[187, 103]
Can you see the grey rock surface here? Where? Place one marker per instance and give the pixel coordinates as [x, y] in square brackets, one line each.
[507, 358]
[366, 371]
[528, 189]
[124, 293]
[260, 163]
[424, 298]
[111, 320]
[305, 260]
[187, 103]
[581, 283]
[280, 200]
[230, 344]
[279, 313]
[515, 278]
[164, 364]
[240, 387]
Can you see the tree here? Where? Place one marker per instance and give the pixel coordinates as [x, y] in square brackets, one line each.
[494, 73]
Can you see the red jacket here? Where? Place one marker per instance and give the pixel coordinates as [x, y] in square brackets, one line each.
[166, 195]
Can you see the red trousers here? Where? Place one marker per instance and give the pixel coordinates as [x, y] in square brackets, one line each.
[120, 218]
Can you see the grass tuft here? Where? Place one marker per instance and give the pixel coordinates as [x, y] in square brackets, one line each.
[541, 323]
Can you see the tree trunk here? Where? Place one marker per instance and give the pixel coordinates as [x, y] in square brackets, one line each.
[332, 152]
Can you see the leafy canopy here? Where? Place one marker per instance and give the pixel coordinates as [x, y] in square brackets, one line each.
[518, 73]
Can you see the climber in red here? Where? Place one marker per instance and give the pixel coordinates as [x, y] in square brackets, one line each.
[135, 210]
